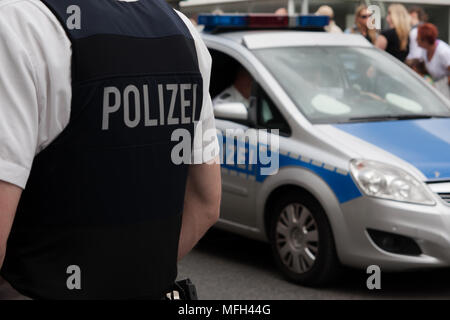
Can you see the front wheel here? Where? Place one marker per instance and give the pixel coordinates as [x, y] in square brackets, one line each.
[302, 241]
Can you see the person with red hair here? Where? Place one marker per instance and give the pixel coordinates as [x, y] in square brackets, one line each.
[436, 56]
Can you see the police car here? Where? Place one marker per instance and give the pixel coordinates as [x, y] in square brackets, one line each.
[364, 148]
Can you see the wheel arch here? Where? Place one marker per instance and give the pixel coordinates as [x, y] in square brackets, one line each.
[275, 195]
[303, 180]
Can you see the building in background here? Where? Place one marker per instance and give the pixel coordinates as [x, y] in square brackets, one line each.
[438, 10]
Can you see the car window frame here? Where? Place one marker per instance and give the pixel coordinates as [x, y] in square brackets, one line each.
[261, 94]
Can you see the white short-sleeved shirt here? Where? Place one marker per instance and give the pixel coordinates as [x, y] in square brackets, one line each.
[36, 92]
[438, 65]
[415, 52]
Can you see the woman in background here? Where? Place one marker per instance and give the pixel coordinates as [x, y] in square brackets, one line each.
[395, 40]
[332, 27]
[362, 15]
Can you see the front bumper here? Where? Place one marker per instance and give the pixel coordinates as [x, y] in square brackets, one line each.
[428, 226]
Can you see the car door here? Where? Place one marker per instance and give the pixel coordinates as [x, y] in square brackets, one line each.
[240, 181]
[238, 175]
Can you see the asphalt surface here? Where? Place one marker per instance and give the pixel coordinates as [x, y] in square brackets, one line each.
[224, 266]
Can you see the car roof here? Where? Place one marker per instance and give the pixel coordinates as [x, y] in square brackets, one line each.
[292, 38]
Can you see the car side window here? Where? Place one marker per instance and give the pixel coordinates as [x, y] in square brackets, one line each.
[268, 115]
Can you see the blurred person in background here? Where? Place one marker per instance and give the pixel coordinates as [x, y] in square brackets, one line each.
[418, 17]
[395, 40]
[436, 56]
[332, 27]
[281, 12]
[362, 15]
[419, 66]
[218, 12]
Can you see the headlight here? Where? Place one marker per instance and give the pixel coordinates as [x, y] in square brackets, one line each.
[380, 180]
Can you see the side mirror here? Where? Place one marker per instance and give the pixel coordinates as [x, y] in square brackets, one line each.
[231, 111]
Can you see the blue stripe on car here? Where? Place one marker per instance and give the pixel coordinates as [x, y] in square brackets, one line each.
[338, 180]
[342, 184]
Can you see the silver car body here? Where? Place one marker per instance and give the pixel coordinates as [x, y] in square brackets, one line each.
[316, 158]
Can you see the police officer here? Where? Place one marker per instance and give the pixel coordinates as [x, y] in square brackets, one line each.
[239, 91]
[92, 205]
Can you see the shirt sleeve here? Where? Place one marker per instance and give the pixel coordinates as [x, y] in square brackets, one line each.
[445, 58]
[205, 144]
[35, 65]
[19, 108]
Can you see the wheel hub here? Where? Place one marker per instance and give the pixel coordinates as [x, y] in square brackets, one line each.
[298, 238]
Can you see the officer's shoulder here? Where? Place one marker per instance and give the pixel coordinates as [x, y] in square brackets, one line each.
[7, 3]
[225, 95]
[29, 13]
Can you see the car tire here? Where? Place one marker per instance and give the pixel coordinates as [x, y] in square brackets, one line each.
[302, 240]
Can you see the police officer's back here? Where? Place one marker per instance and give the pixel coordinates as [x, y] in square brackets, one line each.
[89, 108]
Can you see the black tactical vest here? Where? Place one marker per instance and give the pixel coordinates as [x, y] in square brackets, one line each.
[105, 196]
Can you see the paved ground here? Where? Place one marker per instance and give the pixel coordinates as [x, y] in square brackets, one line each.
[226, 266]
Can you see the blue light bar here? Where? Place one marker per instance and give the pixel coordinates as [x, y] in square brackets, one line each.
[211, 21]
[260, 21]
[312, 21]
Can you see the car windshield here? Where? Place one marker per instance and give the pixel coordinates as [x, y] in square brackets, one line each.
[350, 84]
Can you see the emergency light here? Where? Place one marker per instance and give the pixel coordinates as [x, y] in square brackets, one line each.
[312, 21]
[261, 21]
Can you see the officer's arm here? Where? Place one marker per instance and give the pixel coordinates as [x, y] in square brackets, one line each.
[9, 198]
[201, 204]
